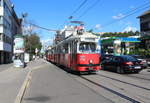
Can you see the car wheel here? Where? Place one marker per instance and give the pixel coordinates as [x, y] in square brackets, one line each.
[120, 70]
[137, 72]
[102, 67]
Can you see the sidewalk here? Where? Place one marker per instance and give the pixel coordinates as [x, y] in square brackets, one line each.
[11, 81]
[5, 66]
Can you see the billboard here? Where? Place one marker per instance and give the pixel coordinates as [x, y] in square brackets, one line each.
[19, 44]
[117, 47]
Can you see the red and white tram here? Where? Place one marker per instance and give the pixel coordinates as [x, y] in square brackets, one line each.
[77, 53]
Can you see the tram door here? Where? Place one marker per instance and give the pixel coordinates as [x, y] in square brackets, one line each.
[73, 49]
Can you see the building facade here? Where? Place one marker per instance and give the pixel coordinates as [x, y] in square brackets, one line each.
[9, 26]
[145, 28]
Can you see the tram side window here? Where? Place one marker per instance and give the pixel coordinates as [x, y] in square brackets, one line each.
[58, 50]
[74, 47]
[65, 48]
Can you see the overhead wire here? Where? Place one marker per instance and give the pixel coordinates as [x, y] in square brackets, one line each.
[75, 11]
[89, 8]
[129, 13]
[79, 7]
[52, 30]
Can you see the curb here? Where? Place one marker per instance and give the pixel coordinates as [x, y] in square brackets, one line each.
[23, 88]
[25, 85]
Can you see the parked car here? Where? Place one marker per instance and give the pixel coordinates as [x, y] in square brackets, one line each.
[142, 60]
[106, 57]
[122, 64]
[148, 62]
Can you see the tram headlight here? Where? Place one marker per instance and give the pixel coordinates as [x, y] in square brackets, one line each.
[91, 61]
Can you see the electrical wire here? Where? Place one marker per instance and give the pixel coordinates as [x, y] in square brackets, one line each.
[79, 7]
[125, 16]
[75, 11]
[129, 13]
[52, 30]
[89, 8]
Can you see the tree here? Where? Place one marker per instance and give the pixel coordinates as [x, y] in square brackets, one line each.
[31, 43]
[120, 34]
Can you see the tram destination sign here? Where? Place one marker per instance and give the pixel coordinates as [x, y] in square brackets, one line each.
[88, 39]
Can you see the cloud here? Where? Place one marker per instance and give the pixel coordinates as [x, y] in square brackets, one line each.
[98, 26]
[129, 28]
[119, 16]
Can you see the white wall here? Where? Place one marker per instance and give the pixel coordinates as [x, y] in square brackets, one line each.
[1, 11]
[1, 29]
[1, 45]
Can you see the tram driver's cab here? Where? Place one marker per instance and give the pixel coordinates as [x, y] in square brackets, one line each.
[87, 47]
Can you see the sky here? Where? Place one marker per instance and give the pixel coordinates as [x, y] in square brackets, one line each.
[96, 14]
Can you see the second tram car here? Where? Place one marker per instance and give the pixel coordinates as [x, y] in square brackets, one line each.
[77, 53]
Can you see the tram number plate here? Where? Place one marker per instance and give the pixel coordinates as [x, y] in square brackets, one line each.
[90, 68]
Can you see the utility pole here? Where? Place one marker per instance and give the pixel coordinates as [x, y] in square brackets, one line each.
[24, 15]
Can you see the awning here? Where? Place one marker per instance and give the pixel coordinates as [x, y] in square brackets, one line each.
[123, 39]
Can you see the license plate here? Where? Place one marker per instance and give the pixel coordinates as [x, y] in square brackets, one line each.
[90, 68]
[138, 67]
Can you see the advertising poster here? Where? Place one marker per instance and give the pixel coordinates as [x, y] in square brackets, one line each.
[117, 47]
[18, 45]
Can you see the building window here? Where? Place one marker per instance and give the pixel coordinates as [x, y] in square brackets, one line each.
[1, 20]
[1, 37]
[0, 2]
[5, 38]
[145, 26]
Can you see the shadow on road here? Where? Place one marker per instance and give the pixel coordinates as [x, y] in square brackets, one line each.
[38, 99]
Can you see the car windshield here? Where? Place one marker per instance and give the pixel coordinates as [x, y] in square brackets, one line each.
[129, 58]
[87, 47]
[138, 57]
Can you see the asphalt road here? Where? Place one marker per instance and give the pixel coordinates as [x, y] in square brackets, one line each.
[50, 84]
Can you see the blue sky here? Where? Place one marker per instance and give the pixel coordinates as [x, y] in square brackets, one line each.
[53, 13]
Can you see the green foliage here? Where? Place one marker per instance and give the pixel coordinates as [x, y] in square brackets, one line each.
[120, 34]
[140, 51]
[31, 43]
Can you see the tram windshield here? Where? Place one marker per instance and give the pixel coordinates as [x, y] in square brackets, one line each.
[87, 47]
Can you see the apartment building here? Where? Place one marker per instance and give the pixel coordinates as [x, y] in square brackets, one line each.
[10, 25]
[145, 27]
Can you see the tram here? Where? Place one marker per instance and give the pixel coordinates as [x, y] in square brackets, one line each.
[78, 52]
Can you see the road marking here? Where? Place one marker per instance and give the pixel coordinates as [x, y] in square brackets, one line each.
[26, 84]
[23, 88]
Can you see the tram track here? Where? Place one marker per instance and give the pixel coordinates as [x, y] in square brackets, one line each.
[136, 77]
[111, 90]
[122, 95]
[141, 87]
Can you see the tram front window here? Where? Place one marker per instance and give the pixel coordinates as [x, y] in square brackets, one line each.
[87, 47]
